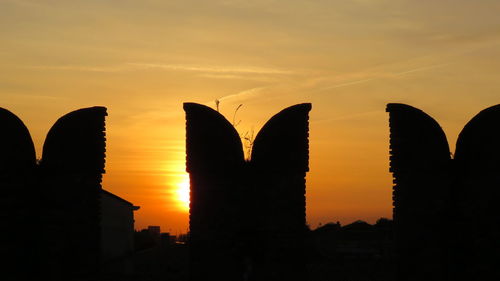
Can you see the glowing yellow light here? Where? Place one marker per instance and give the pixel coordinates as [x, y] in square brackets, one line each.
[183, 192]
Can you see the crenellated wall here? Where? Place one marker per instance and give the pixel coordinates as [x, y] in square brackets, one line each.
[247, 218]
[51, 208]
[445, 214]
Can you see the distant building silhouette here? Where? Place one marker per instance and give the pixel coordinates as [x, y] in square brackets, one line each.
[358, 240]
[58, 197]
[155, 232]
[247, 218]
[356, 251]
[117, 227]
[445, 210]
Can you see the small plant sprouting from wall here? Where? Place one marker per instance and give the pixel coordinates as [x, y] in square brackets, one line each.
[217, 102]
[234, 116]
[247, 138]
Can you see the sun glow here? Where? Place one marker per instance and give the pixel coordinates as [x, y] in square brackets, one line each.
[182, 192]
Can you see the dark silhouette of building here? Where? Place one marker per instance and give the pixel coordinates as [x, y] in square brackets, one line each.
[117, 227]
[247, 218]
[420, 163]
[355, 241]
[51, 207]
[445, 214]
[18, 208]
[155, 232]
[475, 195]
[356, 251]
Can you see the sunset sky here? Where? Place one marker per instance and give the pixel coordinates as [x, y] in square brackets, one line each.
[143, 59]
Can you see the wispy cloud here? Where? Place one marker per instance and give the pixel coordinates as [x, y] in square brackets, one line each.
[421, 69]
[349, 83]
[371, 76]
[223, 71]
[344, 81]
[244, 94]
[81, 68]
[12, 96]
[264, 78]
[214, 68]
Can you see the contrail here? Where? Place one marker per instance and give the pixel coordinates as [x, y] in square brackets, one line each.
[388, 75]
[348, 84]
[421, 69]
[248, 92]
[245, 93]
[213, 69]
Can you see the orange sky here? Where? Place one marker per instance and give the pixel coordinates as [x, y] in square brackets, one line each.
[142, 59]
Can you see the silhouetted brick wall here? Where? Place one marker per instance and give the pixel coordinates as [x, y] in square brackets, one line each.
[447, 225]
[247, 218]
[57, 199]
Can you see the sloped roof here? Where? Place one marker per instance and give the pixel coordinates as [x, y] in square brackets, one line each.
[119, 198]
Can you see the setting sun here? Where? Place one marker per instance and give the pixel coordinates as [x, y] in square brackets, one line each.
[182, 192]
[143, 59]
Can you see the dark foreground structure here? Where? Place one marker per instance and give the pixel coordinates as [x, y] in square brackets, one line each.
[247, 218]
[50, 208]
[446, 214]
